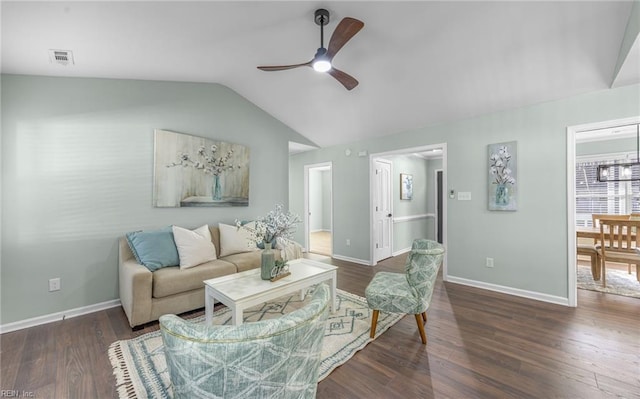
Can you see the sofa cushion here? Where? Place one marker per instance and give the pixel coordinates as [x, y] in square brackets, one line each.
[248, 260]
[154, 249]
[172, 280]
[194, 246]
[215, 238]
[235, 240]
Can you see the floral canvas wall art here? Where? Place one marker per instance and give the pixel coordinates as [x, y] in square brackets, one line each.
[406, 186]
[194, 171]
[503, 173]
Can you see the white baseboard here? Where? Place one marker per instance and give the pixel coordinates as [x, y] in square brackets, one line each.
[66, 314]
[353, 260]
[319, 230]
[402, 251]
[510, 290]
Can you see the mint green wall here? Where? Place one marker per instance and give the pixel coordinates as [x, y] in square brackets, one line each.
[418, 168]
[77, 173]
[514, 239]
[404, 232]
[326, 199]
[319, 200]
[350, 173]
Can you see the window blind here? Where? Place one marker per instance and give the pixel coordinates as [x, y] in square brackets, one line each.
[610, 197]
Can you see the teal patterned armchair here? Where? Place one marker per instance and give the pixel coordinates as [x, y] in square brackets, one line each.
[275, 358]
[409, 292]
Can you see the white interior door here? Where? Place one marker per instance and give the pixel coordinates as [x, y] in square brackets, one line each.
[382, 210]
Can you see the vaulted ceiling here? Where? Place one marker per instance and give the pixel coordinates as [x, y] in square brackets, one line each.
[418, 63]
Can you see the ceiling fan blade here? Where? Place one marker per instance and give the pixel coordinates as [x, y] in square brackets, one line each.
[346, 29]
[282, 67]
[348, 81]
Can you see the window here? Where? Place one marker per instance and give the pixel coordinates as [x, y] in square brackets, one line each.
[593, 196]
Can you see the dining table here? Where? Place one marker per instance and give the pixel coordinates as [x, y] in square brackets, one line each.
[594, 233]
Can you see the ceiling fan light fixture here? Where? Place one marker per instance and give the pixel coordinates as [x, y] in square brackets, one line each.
[321, 65]
[321, 62]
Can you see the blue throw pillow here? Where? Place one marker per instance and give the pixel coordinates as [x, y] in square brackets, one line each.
[154, 249]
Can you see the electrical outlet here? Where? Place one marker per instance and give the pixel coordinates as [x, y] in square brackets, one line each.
[489, 262]
[54, 284]
[348, 242]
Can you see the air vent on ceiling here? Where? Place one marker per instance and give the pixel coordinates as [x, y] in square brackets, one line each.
[62, 57]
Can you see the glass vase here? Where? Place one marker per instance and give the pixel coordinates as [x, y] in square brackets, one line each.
[268, 262]
[216, 189]
[272, 242]
[502, 194]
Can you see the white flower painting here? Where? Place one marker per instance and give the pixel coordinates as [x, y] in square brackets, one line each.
[406, 186]
[503, 176]
[194, 171]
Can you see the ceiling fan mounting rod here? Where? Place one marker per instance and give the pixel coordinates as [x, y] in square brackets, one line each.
[321, 18]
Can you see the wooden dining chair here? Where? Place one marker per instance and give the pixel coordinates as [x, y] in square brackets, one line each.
[619, 240]
[595, 219]
[592, 251]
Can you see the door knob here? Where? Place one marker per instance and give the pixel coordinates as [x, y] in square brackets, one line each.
[389, 215]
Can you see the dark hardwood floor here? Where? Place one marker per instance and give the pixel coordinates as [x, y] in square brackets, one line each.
[481, 344]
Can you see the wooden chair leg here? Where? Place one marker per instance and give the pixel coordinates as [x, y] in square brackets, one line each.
[603, 273]
[423, 335]
[374, 321]
[424, 316]
[595, 267]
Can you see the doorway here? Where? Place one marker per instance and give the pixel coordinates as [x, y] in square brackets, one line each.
[588, 146]
[417, 212]
[319, 208]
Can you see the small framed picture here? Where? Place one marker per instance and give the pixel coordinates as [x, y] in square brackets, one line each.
[406, 186]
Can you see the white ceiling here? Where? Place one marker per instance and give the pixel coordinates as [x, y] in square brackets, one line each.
[418, 63]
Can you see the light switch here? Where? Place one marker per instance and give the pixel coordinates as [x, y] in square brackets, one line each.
[464, 196]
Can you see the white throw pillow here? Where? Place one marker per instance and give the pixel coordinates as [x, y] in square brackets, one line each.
[234, 240]
[194, 246]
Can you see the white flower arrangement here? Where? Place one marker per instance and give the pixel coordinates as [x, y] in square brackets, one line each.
[277, 224]
[500, 166]
[210, 162]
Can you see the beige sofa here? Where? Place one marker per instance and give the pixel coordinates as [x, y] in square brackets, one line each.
[146, 295]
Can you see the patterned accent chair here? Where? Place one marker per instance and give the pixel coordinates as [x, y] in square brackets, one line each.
[274, 358]
[410, 292]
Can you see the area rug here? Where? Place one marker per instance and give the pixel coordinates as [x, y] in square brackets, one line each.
[619, 282]
[141, 371]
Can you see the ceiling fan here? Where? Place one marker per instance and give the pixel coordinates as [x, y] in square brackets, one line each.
[321, 62]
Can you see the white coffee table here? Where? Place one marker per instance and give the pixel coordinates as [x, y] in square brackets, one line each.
[242, 290]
